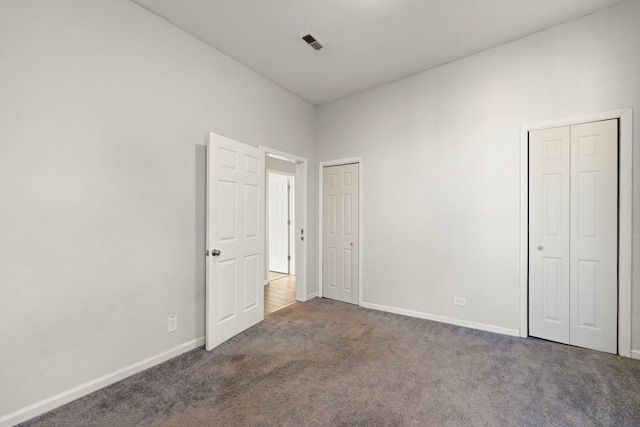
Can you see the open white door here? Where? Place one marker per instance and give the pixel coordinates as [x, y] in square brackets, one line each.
[235, 238]
[279, 221]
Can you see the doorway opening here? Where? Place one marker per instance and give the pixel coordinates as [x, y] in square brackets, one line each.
[280, 290]
[285, 270]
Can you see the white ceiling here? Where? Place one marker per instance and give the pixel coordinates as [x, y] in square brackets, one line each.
[367, 42]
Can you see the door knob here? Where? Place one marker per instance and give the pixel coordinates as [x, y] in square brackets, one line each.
[540, 248]
[215, 252]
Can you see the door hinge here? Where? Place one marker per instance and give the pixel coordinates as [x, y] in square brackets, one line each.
[288, 257]
[288, 187]
[288, 222]
[207, 252]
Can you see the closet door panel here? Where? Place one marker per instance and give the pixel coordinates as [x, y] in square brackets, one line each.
[594, 235]
[549, 160]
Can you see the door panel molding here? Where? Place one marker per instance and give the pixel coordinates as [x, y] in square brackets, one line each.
[321, 166]
[625, 190]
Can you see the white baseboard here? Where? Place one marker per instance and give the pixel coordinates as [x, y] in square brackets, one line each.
[635, 354]
[312, 295]
[443, 319]
[60, 399]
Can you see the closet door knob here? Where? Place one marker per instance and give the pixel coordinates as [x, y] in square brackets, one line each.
[540, 248]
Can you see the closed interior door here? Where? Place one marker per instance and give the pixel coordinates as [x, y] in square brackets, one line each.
[573, 235]
[340, 251]
[279, 254]
[235, 238]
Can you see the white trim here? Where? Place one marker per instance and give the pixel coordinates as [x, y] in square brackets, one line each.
[291, 182]
[321, 166]
[70, 395]
[279, 172]
[625, 236]
[360, 233]
[282, 155]
[635, 354]
[312, 295]
[524, 231]
[443, 319]
[625, 217]
[301, 219]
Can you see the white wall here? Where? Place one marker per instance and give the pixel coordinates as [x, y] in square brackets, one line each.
[441, 154]
[104, 113]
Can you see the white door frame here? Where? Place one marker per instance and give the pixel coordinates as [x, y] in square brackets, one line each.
[625, 218]
[290, 211]
[321, 167]
[300, 220]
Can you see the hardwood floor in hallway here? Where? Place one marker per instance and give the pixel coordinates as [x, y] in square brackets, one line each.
[279, 293]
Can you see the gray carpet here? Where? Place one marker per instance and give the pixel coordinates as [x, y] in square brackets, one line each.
[326, 363]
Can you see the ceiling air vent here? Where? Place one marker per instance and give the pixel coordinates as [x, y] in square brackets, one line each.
[312, 41]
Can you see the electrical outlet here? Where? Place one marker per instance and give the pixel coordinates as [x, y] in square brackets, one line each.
[459, 301]
[173, 323]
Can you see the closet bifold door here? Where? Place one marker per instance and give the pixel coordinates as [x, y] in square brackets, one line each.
[549, 186]
[594, 236]
[573, 235]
